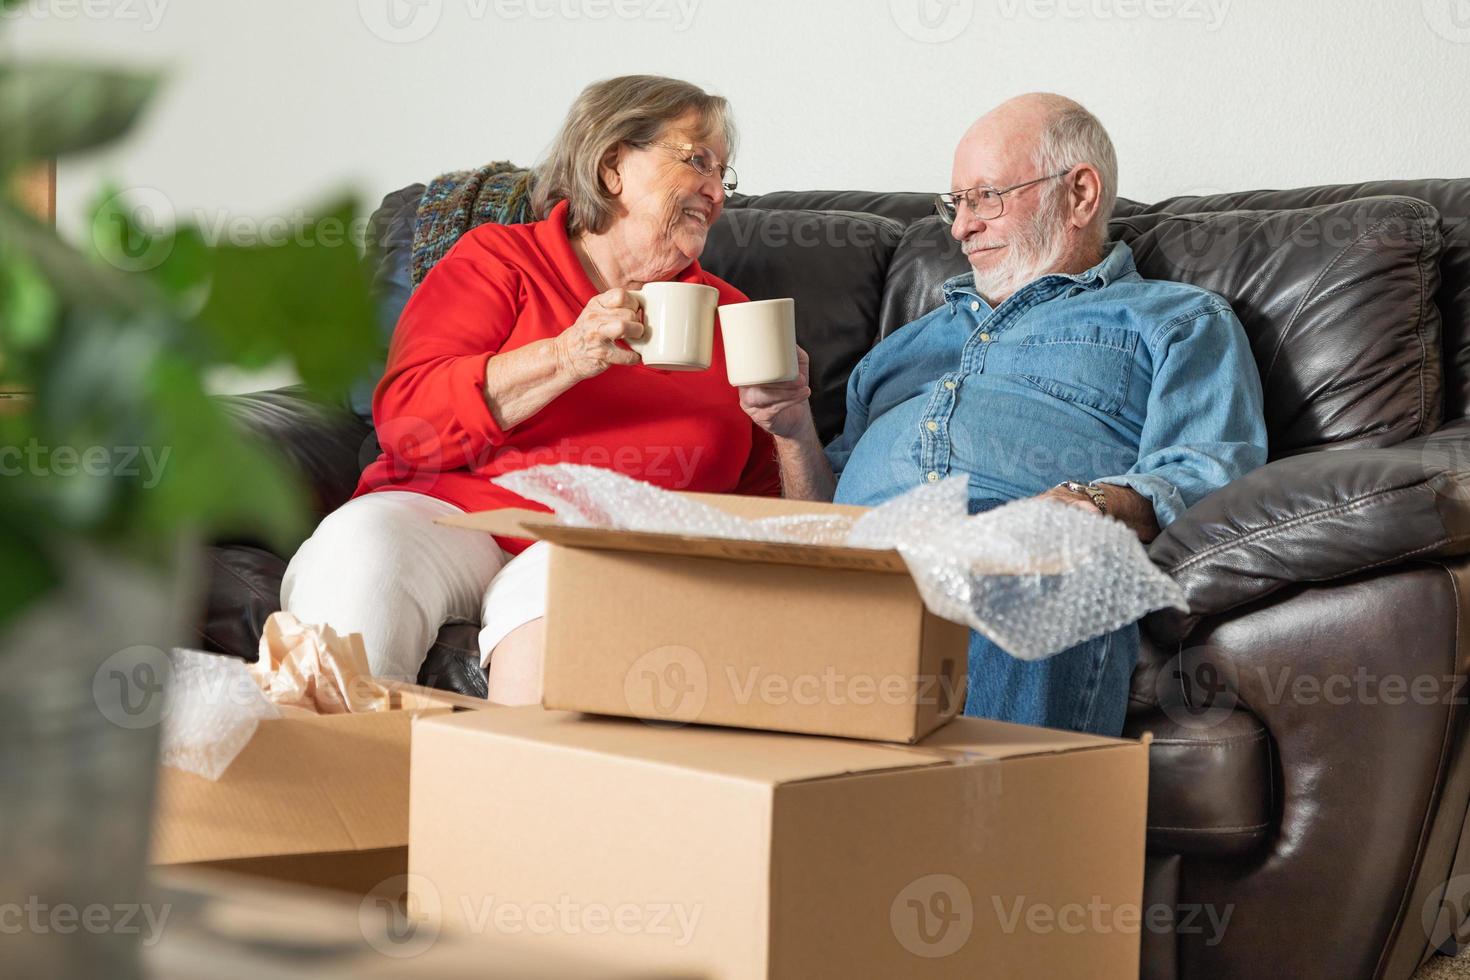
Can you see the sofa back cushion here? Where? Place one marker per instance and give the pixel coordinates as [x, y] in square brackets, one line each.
[1337, 301]
[833, 263]
[1451, 198]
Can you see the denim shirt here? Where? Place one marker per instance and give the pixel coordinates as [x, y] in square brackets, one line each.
[1103, 376]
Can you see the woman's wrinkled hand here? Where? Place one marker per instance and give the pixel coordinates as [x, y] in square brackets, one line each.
[782, 408]
[590, 346]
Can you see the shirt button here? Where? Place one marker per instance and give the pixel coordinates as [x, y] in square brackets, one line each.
[975, 306]
[932, 426]
[950, 385]
[985, 338]
[933, 477]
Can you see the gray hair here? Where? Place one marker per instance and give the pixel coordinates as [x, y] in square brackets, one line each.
[630, 109]
[1072, 136]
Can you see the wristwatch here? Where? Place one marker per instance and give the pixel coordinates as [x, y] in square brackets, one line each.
[1091, 491]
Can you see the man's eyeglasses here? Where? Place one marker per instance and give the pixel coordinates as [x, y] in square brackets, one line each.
[983, 200]
[703, 162]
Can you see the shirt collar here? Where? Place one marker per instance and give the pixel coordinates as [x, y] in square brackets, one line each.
[1117, 264]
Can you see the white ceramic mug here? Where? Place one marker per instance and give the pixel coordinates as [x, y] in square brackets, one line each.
[760, 341]
[678, 325]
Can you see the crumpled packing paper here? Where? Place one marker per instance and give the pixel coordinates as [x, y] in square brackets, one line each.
[215, 702]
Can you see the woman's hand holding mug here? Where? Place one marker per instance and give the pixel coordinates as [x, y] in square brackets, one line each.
[590, 346]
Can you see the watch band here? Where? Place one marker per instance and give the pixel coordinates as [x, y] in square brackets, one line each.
[1091, 491]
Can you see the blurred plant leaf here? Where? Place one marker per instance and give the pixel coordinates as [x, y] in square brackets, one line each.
[204, 473]
[27, 306]
[26, 573]
[306, 298]
[75, 281]
[49, 109]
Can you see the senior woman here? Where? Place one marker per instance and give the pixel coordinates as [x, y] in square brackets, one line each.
[512, 353]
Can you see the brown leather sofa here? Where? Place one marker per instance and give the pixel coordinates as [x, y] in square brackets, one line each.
[1309, 776]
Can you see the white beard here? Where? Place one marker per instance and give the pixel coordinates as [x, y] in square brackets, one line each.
[1032, 250]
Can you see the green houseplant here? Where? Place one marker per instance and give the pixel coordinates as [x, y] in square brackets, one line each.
[98, 554]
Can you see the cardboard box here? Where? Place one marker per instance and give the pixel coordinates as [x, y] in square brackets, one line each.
[316, 799]
[785, 637]
[987, 850]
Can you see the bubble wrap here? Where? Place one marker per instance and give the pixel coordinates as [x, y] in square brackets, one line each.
[1034, 576]
[213, 708]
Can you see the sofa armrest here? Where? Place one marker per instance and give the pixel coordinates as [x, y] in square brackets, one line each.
[326, 447]
[1314, 517]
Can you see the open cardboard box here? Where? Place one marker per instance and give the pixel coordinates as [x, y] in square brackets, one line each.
[986, 850]
[788, 637]
[316, 799]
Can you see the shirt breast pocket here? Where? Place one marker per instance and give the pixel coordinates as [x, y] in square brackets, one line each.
[1087, 365]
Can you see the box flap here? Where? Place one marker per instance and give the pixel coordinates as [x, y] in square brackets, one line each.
[1004, 740]
[301, 786]
[763, 757]
[766, 757]
[519, 523]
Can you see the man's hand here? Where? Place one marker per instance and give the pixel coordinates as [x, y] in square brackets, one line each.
[1124, 504]
[1064, 496]
[783, 409]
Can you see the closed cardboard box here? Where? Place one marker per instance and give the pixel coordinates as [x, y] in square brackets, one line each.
[784, 637]
[986, 850]
[315, 799]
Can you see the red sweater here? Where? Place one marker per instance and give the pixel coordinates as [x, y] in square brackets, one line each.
[501, 287]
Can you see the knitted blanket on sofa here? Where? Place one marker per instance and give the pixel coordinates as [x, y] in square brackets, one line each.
[460, 200]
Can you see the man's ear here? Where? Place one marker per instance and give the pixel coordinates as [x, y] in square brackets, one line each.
[610, 167]
[1084, 194]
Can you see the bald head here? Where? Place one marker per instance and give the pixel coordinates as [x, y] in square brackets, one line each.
[1022, 119]
[1057, 220]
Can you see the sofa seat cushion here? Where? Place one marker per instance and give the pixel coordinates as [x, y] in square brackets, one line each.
[1210, 781]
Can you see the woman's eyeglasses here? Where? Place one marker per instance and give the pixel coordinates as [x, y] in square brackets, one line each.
[703, 162]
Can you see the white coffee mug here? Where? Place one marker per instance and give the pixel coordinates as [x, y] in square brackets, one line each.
[760, 341]
[678, 325]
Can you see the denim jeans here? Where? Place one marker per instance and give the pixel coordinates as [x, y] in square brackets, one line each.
[1084, 688]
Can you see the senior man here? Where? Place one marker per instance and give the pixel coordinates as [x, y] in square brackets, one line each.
[1053, 369]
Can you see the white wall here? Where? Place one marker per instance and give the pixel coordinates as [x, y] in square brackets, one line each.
[271, 103]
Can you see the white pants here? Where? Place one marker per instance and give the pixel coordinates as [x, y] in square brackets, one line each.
[380, 566]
